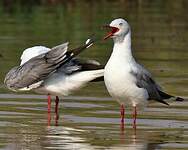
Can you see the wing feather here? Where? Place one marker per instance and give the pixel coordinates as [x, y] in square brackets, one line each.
[77, 65]
[36, 69]
[144, 80]
[41, 67]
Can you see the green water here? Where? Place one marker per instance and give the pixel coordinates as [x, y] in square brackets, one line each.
[90, 119]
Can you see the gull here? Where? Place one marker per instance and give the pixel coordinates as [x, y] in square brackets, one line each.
[53, 71]
[127, 81]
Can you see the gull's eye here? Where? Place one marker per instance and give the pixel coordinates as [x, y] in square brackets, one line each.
[121, 24]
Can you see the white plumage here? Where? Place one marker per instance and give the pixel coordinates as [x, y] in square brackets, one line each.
[120, 82]
[33, 52]
[126, 80]
[62, 85]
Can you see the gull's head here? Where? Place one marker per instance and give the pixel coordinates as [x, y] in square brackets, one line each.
[119, 28]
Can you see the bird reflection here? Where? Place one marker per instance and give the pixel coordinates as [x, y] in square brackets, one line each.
[62, 137]
[56, 118]
[72, 138]
[122, 130]
[49, 118]
[67, 138]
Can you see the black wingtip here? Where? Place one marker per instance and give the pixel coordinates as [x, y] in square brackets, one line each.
[74, 52]
[91, 40]
[179, 99]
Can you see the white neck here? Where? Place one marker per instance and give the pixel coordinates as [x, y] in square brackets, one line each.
[122, 48]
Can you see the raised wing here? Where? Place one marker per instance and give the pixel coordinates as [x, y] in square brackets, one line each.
[33, 52]
[36, 69]
[40, 67]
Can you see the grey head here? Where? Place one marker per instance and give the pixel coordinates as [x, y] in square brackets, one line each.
[119, 29]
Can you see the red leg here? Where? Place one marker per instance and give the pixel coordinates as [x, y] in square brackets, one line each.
[134, 116]
[49, 103]
[56, 110]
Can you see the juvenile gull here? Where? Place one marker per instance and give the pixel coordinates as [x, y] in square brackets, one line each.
[53, 71]
[127, 81]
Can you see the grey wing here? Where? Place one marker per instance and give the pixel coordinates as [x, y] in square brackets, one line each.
[144, 80]
[36, 69]
[77, 65]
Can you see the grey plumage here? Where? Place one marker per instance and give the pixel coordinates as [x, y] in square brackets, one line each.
[144, 80]
[77, 64]
[38, 68]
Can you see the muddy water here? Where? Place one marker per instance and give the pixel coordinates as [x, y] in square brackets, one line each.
[89, 118]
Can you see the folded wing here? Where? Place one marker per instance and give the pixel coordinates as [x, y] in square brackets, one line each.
[144, 80]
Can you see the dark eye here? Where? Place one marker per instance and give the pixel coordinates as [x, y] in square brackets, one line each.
[121, 24]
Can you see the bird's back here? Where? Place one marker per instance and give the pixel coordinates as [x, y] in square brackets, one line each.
[33, 52]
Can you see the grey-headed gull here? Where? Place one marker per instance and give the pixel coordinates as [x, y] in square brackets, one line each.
[53, 71]
[127, 81]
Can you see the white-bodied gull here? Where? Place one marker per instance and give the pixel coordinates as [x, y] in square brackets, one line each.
[53, 71]
[127, 81]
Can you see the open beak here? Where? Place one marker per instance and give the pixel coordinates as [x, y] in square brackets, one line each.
[111, 32]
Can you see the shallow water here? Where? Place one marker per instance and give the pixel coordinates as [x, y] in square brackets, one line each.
[89, 124]
[89, 118]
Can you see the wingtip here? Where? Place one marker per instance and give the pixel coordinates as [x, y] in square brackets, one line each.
[179, 99]
[90, 41]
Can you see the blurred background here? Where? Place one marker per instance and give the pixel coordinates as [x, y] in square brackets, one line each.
[159, 42]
